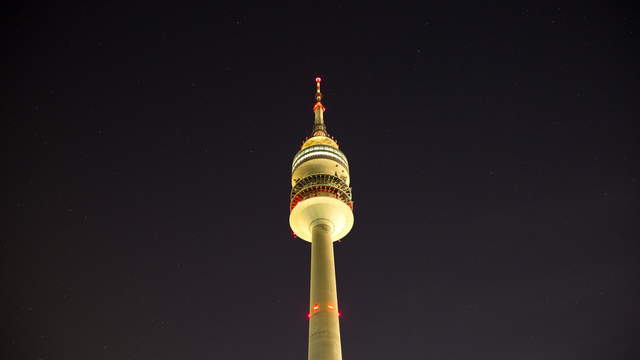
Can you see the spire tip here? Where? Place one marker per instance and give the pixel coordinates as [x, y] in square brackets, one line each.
[318, 95]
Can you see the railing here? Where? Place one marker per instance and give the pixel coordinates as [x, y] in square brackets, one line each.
[320, 185]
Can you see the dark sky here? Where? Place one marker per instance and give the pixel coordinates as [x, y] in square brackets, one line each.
[493, 156]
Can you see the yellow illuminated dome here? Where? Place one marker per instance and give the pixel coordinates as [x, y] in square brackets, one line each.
[319, 140]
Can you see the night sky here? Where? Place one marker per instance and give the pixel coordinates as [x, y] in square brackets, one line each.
[493, 152]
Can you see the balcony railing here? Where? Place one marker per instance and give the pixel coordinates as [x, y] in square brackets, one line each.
[320, 185]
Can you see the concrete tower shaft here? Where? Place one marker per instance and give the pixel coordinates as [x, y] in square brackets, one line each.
[324, 324]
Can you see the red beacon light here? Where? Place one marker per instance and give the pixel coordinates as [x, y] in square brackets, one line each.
[318, 79]
[316, 307]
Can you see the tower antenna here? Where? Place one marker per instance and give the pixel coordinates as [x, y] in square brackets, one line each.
[319, 128]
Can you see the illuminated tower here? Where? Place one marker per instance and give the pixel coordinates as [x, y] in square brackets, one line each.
[321, 213]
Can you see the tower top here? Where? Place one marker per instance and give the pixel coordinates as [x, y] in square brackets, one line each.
[319, 129]
[318, 94]
[319, 135]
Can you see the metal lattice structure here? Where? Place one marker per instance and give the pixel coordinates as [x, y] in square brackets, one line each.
[320, 185]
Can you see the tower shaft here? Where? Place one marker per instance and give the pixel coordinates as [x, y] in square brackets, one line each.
[324, 324]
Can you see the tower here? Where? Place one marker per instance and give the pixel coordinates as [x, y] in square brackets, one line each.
[321, 212]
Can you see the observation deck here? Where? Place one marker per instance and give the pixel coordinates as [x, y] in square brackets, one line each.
[320, 185]
[319, 152]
